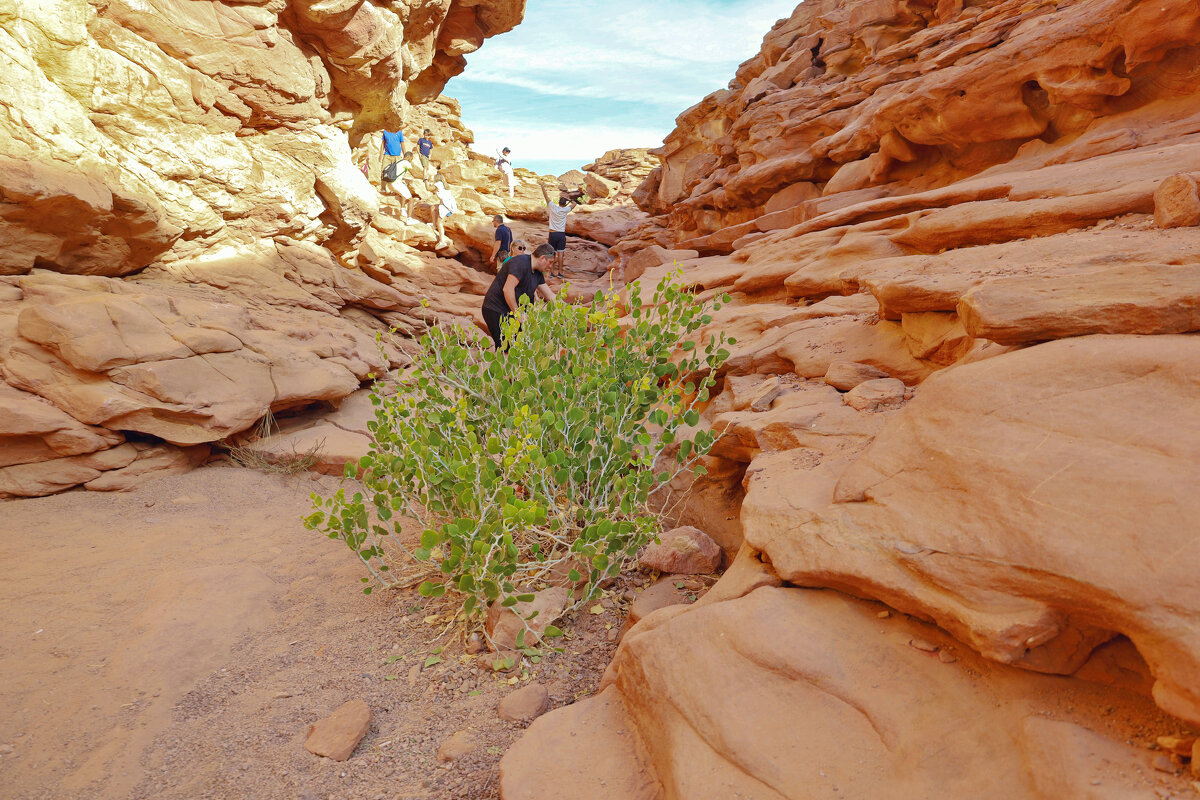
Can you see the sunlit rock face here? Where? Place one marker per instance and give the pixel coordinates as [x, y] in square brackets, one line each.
[137, 132]
[183, 214]
[961, 243]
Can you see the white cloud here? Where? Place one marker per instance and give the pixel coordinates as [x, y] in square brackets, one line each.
[578, 78]
[669, 52]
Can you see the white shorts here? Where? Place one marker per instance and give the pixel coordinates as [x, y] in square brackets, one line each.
[403, 190]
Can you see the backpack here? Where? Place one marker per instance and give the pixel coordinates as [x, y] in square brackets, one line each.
[391, 171]
[500, 162]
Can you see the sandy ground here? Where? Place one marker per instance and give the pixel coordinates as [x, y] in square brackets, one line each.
[177, 641]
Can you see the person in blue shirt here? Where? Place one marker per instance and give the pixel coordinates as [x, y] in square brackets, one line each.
[502, 249]
[391, 148]
[425, 148]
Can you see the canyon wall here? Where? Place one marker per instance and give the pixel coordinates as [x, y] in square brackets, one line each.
[961, 243]
[188, 240]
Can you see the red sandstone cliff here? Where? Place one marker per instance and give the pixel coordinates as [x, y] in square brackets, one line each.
[962, 237]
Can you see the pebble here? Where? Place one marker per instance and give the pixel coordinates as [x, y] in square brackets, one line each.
[884, 614]
[1179, 745]
[923, 645]
[474, 644]
[1165, 763]
[946, 657]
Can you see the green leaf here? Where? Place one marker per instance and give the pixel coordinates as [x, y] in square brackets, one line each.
[429, 662]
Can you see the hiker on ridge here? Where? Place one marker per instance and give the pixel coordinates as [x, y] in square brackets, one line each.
[504, 164]
[522, 276]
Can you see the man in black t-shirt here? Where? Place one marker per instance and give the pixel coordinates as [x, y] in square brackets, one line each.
[521, 276]
[503, 247]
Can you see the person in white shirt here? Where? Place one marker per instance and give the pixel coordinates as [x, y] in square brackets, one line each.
[504, 164]
[558, 228]
[399, 185]
[445, 207]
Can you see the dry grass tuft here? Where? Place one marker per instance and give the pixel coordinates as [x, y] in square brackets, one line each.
[248, 456]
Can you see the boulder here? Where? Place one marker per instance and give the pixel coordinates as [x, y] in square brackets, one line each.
[845, 375]
[876, 394]
[1177, 202]
[685, 550]
[525, 704]
[599, 187]
[532, 617]
[661, 594]
[1082, 444]
[785, 667]
[337, 735]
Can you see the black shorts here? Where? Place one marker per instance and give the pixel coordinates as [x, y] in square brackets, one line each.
[558, 240]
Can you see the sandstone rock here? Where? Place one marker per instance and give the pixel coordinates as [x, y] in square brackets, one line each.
[1024, 441]
[337, 735]
[1177, 202]
[1179, 745]
[525, 704]
[457, 746]
[504, 624]
[1145, 300]
[686, 551]
[937, 337]
[655, 256]
[775, 652]
[661, 595]
[813, 417]
[613, 768]
[876, 394]
[767, 395]
[328, 446]
[152, 462]
[845, 375]
[597, 186]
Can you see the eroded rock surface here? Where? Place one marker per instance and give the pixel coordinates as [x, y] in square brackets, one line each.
[960, 241]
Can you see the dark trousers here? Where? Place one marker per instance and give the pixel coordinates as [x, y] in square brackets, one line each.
[493, 320]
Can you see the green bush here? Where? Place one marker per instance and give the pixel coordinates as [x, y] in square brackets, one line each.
[538, 461]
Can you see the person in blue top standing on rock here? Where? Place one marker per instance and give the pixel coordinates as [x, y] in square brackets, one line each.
[391, 149]
[425, 148]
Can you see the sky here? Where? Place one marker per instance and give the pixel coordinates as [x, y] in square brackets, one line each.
[576, 79]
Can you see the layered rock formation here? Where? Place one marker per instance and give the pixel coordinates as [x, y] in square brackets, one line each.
[961, 243]
[180, 198]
